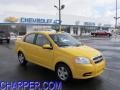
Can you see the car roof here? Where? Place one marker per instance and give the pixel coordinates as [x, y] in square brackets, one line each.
[46, 32]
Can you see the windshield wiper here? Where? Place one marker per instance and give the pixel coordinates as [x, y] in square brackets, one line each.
[64, 45]
[77, 45]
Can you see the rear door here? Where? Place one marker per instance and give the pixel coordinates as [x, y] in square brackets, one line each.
[28, 46]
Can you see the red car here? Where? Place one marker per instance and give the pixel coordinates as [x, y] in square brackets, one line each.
[101, 33]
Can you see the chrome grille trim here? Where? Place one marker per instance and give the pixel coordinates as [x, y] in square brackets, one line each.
[98, 59]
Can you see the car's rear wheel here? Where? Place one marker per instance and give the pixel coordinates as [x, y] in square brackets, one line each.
[21, 59]
[94, 35]
[109, 35]
[0, 41]
[63, 72]
[8, 41]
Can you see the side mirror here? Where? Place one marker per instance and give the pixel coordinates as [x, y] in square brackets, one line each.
[47, 46]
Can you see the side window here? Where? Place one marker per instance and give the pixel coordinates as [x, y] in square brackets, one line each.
[29, 38]
[42, 40]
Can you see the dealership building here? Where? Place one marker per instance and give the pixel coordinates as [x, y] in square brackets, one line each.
[75, 25]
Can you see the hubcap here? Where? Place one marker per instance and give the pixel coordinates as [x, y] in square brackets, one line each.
[62, 73]
[21, 58]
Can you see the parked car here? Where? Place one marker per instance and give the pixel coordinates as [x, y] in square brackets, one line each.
[61, 53]
[13, 36]
[101, 33]
[4, 36]
[20, 37]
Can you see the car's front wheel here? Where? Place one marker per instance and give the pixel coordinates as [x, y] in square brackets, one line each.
[63, 72]
[21, 59]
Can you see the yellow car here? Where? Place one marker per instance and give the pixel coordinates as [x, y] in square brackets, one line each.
[61, 53]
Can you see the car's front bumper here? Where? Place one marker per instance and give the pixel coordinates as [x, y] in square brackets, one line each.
[4, 38]
[88, 71]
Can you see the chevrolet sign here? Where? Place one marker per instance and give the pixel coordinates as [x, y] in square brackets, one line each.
[38, 21]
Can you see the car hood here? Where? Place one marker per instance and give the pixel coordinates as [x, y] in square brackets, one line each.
[82, 51]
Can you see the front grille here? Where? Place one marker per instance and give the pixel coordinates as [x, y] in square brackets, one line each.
[97, 59]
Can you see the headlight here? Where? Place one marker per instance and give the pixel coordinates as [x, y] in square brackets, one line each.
[82, 60]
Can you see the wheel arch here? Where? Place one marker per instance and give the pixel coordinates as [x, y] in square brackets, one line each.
[18, 50]
[63, 63]
[21, 51]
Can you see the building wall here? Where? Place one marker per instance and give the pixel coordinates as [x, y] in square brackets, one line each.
[75, 30]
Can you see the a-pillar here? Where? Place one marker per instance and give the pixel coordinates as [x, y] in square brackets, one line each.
[29, 28]
[79, 31]
[71, 30]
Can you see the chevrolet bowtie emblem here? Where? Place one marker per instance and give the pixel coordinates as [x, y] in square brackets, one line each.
[11, 19]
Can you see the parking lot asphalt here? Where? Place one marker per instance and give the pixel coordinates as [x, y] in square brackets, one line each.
[10, 70]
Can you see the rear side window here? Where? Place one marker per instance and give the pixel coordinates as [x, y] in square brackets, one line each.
[30, 38]
[42, 40]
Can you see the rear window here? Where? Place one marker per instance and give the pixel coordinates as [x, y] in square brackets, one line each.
[29, 38]
[1, 32]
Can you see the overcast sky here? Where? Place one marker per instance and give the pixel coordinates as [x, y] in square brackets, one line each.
[102, 9]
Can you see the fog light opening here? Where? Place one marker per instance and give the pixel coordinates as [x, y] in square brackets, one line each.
[87, 74]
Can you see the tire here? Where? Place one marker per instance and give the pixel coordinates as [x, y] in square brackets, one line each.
[63, 72]
[109, 35]
[8, 41]
[94, 35]
[21, 59]
[0, 41]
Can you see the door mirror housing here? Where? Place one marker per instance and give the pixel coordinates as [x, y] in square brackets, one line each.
[47, 46]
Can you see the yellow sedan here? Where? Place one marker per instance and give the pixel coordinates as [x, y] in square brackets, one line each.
[61, 53]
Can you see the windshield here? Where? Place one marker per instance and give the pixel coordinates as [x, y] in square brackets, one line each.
[2, 33]
[65, 40]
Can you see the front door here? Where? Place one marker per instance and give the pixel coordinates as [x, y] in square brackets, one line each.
[43, 56]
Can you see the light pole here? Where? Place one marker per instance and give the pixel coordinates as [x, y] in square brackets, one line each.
[116, 17]
[59, 7]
